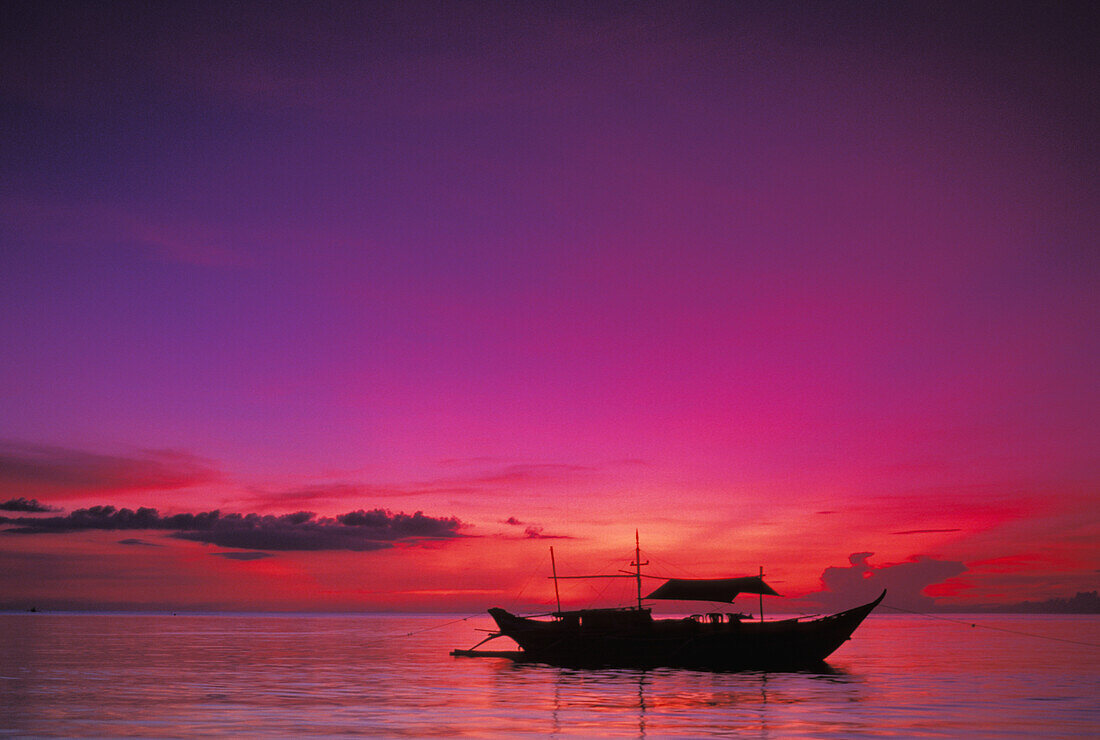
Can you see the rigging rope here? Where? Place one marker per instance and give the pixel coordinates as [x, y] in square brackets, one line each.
[530, 577]
[991, 627]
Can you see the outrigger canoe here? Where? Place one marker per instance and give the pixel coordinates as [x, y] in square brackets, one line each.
[632, 637]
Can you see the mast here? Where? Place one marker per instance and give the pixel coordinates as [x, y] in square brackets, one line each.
[638, 566]
[761, 595]
[554, 570]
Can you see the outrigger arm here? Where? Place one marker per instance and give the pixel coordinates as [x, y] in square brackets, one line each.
[475, 653]
[493, 636]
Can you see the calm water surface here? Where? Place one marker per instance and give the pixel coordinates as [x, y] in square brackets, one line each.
[164, 676]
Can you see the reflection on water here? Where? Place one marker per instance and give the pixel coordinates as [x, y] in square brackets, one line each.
[704, 702]
[97, 675]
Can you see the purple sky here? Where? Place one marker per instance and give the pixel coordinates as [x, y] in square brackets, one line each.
[709, 270]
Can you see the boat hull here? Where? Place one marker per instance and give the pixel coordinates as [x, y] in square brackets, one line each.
[634, 639]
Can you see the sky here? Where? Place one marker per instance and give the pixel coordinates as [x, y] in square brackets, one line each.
[358, 307]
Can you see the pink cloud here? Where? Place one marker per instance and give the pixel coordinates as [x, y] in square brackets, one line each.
[905, 582]
[62, 473]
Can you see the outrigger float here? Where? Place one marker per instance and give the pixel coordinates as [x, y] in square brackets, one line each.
[631, 637]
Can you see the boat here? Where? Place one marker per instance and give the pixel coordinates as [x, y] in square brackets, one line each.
[631, 637]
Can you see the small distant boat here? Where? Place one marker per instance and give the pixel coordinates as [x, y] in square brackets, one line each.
[631, 637]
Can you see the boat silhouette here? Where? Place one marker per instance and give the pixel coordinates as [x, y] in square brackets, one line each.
[632, 637]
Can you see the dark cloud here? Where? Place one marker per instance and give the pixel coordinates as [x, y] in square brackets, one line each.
[242, 555]
[384, 525]
[29, 505]
[134, 541]
[60, 471]
[904, 582]
[357, 530]
[536, 533]
[110, 518]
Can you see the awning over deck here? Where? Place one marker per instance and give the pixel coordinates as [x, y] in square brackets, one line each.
[711, 589]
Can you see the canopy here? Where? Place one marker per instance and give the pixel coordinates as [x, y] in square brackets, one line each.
[711, 589]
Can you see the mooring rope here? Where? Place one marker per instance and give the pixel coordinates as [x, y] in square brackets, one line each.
[380, 639]
[991, 627]
[440, 626]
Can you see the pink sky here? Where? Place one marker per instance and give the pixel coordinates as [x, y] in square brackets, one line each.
[773, 286]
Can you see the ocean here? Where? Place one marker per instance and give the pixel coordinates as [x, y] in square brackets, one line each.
[115, 675]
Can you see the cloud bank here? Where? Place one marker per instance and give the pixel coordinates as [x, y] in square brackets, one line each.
[242, 555]
[904, 582]
[28, 505]
[357, 530]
